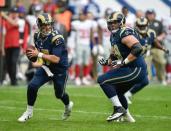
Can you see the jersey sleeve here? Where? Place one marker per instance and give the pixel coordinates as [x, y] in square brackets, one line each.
[58, 45]
[126, 32]
[58, 39]
[152, 34]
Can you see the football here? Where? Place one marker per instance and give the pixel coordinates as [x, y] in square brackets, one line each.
[31, 47]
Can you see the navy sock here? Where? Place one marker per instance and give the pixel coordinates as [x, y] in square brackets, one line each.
[65, 99]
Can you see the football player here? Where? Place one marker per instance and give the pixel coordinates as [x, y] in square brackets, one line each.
[147, 38]
[129, 67]
[83, 30]
[51, 49]
[104, 36]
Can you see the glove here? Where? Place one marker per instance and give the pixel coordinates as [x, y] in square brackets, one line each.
[117, 63]
[100, 50]
[166, 51]
[102, 61]
[95, 50]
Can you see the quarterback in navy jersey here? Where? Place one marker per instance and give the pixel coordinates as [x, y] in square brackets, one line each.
[148, 40]
[51, 50]
[129, 67]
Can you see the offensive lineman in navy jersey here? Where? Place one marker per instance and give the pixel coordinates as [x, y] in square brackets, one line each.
[129, 67]
[50, 48]
[147, 38]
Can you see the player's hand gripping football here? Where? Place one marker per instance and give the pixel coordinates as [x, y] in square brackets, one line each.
[32, 52]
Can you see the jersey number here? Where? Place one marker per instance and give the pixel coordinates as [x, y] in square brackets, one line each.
[45, 52]
[116, 52]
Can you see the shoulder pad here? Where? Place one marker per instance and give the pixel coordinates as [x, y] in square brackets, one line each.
[125, 31]
[151, 32]
[55, 32]
[58, 39]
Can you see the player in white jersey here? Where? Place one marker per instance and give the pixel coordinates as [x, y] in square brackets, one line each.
[31, 19]
[104, 36]
[83, 30]
[130, 18]
[167, 43]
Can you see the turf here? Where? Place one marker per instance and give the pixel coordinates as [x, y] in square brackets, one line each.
[151, 108]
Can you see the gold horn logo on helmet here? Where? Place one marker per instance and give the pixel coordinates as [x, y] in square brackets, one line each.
[142, 25]
[115, 21]
[44, 20]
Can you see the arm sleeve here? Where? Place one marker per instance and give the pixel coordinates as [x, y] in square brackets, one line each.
[58, 46]
[126, 32]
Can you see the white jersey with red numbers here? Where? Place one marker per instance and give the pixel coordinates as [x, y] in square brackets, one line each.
[106, 33]
[167, 27]
[31, 19]
[130, 20]
[82, 29]
[167, 40]
[105, 36]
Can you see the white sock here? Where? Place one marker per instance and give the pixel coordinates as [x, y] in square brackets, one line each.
[128, 94]
[29, 109]
[115, 101]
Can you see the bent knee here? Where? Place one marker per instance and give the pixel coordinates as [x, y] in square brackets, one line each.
[100, 80]
[145, 82]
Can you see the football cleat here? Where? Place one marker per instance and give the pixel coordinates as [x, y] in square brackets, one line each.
[68, 110]
[77, 81]
[126, 118]
[119, 111]
[85, 81]
[25, 117]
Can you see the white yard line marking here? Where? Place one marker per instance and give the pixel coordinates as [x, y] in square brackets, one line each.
[84, 112]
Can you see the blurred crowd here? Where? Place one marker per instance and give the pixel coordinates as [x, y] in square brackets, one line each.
[86, 35]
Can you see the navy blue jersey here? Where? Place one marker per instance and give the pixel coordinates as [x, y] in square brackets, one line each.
[147, 40]
[121, 51]
[53, 44]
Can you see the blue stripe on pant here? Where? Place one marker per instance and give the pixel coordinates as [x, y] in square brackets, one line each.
[118, 81]
[121, 77]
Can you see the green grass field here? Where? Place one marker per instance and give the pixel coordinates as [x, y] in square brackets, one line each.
[151, 108]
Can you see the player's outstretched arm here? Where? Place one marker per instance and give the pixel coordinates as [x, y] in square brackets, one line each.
[131, 42]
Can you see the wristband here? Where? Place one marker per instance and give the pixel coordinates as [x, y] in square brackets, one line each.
[40, 55]
[126, 61]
